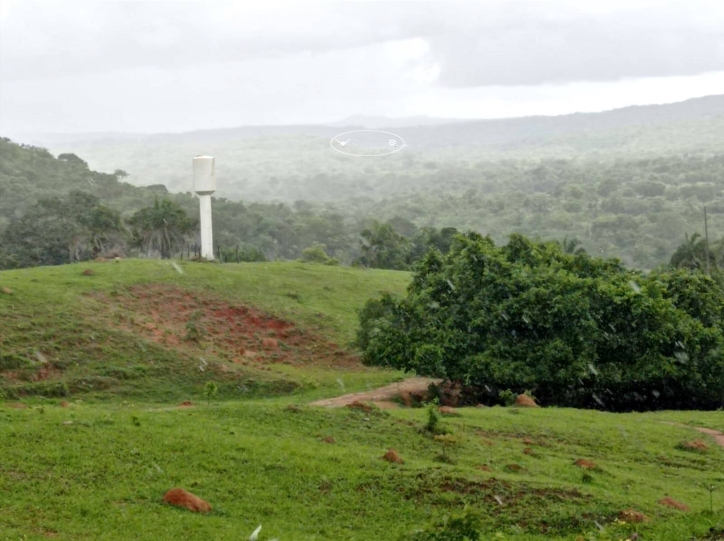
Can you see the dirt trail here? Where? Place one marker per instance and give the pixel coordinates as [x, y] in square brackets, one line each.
[383, 396]
[379, 396]
[717, 436]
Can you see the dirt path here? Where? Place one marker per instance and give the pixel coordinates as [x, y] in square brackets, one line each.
[382, 396]
[717, 436]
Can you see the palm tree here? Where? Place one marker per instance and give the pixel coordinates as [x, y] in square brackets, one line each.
[572, 246]
[161, 227]
[691, 254]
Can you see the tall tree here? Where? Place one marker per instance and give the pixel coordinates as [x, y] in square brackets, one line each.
[161, 227]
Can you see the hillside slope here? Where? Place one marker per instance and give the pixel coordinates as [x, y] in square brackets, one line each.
[161, 330]
[95, 436]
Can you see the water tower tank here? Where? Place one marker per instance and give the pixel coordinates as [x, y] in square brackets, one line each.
[204, 175]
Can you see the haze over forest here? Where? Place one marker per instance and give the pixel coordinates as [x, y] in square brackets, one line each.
[613, 135]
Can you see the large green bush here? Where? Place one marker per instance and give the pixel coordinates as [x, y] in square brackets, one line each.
[576, 330]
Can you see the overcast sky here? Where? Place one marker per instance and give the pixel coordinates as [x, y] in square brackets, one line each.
[169, 66]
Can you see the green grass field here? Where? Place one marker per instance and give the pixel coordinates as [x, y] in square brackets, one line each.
[100, 363]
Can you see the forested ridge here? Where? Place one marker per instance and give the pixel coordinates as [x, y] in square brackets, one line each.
[630, 183]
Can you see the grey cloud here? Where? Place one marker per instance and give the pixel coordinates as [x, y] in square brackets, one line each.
[474, 43]
[590, 50]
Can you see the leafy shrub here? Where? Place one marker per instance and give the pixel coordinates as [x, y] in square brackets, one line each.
[317, 254]
[576, 330]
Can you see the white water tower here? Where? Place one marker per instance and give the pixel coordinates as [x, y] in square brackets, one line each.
[204, 186]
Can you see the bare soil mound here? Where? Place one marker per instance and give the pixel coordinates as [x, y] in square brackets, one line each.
[201, 324]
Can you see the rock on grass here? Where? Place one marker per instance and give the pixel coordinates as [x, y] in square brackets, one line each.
[181, 498]
[392, 456]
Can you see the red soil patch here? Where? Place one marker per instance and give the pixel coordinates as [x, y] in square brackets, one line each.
[448, 411]
[196, 322]
[88, 272]
[525, 401]
[186, 404]
[17, 406]
[180, 498]
[392, 456]
[669, 502]
[585, 464]
[357, 405]
[630, 515]
[328, 439]
[695, 445]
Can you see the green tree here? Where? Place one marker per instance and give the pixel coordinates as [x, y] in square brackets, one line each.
[575, 330]
[383, 248]
[161, 227]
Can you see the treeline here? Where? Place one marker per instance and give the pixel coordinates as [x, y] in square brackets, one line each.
[638, 210]
[57, 210]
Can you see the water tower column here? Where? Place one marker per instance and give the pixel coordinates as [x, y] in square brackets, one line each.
[207, 232]
[204, 186]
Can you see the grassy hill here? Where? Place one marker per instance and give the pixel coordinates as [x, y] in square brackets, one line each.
[93, 365]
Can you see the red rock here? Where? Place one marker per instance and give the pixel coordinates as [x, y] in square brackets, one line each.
[392, 456]
[181, 498]
[525, 401]
[669, 502]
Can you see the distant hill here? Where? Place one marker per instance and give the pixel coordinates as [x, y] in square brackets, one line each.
[379, 122]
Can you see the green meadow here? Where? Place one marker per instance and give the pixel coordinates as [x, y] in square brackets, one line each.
[94, 365]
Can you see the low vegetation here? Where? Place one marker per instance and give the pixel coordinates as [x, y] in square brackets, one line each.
[143, 408]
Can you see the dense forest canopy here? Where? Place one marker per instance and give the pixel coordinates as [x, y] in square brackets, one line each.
[630, 183]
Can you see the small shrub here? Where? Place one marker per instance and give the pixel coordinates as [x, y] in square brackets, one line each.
[210, 391]
[508, 397]
[433, 420]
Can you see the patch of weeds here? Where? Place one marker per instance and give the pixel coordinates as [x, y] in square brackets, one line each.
[461, 527]
[447, 441]
[433, 426]
[194, 330]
